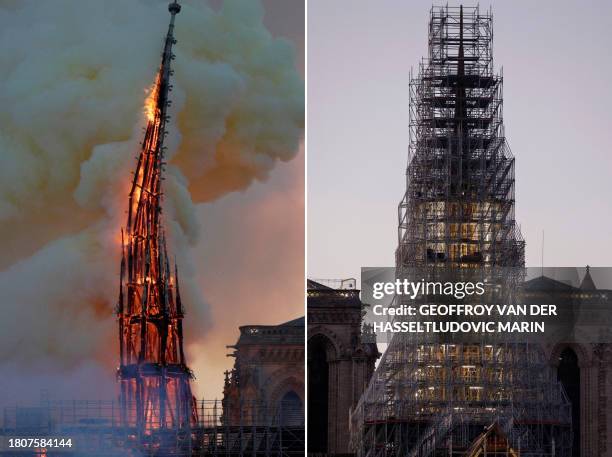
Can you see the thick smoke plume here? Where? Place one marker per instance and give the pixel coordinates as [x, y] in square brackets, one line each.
[75, 76]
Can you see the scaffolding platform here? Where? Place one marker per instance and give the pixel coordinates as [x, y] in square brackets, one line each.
[95, 429]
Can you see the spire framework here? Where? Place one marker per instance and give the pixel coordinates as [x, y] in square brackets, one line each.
[153, 374]
[429, 397]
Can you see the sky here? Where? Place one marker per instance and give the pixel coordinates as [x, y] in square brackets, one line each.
[256, 278]
[556, 65]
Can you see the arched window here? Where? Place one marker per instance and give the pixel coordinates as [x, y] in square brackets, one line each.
[568, 373]
[318, 394]
[291, 410]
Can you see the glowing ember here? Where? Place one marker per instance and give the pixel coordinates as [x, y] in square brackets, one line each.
[151, 103]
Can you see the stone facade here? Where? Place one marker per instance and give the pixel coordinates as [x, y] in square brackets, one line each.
[591, 376]
[335, 338]
[340, 364]
[267, 381]
[595, 364]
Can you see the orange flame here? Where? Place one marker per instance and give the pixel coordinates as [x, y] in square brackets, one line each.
[151, 101]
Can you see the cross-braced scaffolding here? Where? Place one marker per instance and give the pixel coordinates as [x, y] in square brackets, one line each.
[96, 428]
[435, 397]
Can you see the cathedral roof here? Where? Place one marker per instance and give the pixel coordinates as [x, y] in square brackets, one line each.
[587, 281]
[299, 322]
[314, 285]
[548, 284]
[544, 283]
[290, 332]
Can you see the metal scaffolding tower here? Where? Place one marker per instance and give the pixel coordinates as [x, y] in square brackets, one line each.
[435, 397]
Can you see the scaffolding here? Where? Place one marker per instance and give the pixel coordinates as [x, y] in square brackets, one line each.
[432, 396]
[459, 202]
[96, 428]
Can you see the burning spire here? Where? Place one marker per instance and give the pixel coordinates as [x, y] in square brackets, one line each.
[154, 377]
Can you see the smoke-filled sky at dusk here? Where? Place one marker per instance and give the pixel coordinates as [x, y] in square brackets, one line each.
[72, 96]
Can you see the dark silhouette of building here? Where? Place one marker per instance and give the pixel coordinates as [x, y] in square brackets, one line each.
[582, 357]
[267, 379]
[341, 358]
